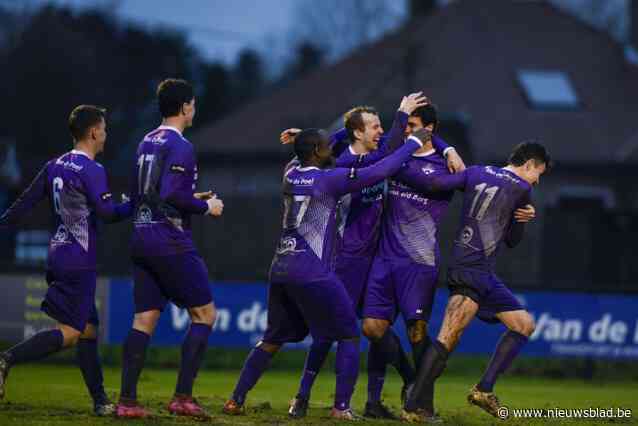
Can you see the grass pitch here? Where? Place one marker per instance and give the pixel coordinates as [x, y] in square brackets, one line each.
[55, 395]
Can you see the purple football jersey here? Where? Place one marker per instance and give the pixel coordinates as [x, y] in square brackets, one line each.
[77, 187]
[414, 211]
[162, 192]
[360, 212]
[309, 240]
[491, 195]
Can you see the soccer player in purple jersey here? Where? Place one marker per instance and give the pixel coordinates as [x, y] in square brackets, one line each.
[166, 265]
[76, 186]
[306, 296]
[404, 273]
[491, 197]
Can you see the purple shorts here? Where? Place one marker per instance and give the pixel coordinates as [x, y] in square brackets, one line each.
[486, 289]
[400, 287]
[70, 298]
[321, 308]
[353, 272]
[180, 278]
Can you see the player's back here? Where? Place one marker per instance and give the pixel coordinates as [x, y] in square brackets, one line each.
[165, 170]
[491, 196]
[72, 245]
[309, 239]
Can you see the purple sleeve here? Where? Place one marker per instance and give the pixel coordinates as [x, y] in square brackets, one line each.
[435, 182]
[178, 182]
[342, 181]
[27, 200]
[101, 198]
[338, 141]
[439, 144]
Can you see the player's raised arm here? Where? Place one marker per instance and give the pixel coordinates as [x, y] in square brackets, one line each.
[342, 180]
[436, 182]
[27, 200]
[101, 198]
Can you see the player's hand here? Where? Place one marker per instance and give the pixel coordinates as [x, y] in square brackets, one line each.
[413, 101]
[203, 195]
[215, 206]
[455, 163]
[289, 135]
[423, 134]
[525, 214]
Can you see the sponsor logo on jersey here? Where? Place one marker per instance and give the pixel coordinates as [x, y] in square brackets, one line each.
[106, 196]
[176, 168]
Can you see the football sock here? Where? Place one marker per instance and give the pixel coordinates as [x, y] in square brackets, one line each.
[376, 373]
[390, 346]
[133, 358]
[193, 350]
[36, 347]
[314, 361]
[432, 365]
[88, 359]
[419, 348]
[347, 371]
[255, 365]
[508, 347]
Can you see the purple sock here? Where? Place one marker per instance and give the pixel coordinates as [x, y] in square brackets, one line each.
[36, 347]
[193, 350]
[347, 369]
[89, 360]
[254, 366]
[314, 361]
[133, 357]
[376, 373]
[508, 347]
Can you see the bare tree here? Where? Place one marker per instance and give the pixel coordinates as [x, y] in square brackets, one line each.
[339, 26]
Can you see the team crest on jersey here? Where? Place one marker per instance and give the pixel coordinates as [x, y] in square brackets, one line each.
[144, 214]
[288, 245]
[466, 235]
[61, 235]
[428, 170]
[159, 138]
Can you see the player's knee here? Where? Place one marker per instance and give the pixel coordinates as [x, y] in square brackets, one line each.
[528, 326]
[271, 348]
[70, 336]
[373, 329]
[204, 314]
[146, 321]
[90, 332]
[417, 331]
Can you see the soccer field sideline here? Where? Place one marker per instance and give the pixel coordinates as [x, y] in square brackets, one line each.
[55, 395]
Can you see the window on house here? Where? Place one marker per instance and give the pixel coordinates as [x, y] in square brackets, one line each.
[548, 90]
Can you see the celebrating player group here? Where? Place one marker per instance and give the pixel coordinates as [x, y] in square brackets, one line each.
[361, 211]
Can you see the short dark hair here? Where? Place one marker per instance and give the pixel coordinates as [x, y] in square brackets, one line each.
[306, 142]
[172, 94]
[353, 119]
[428, 115]
[82, 118]
[530, 150]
